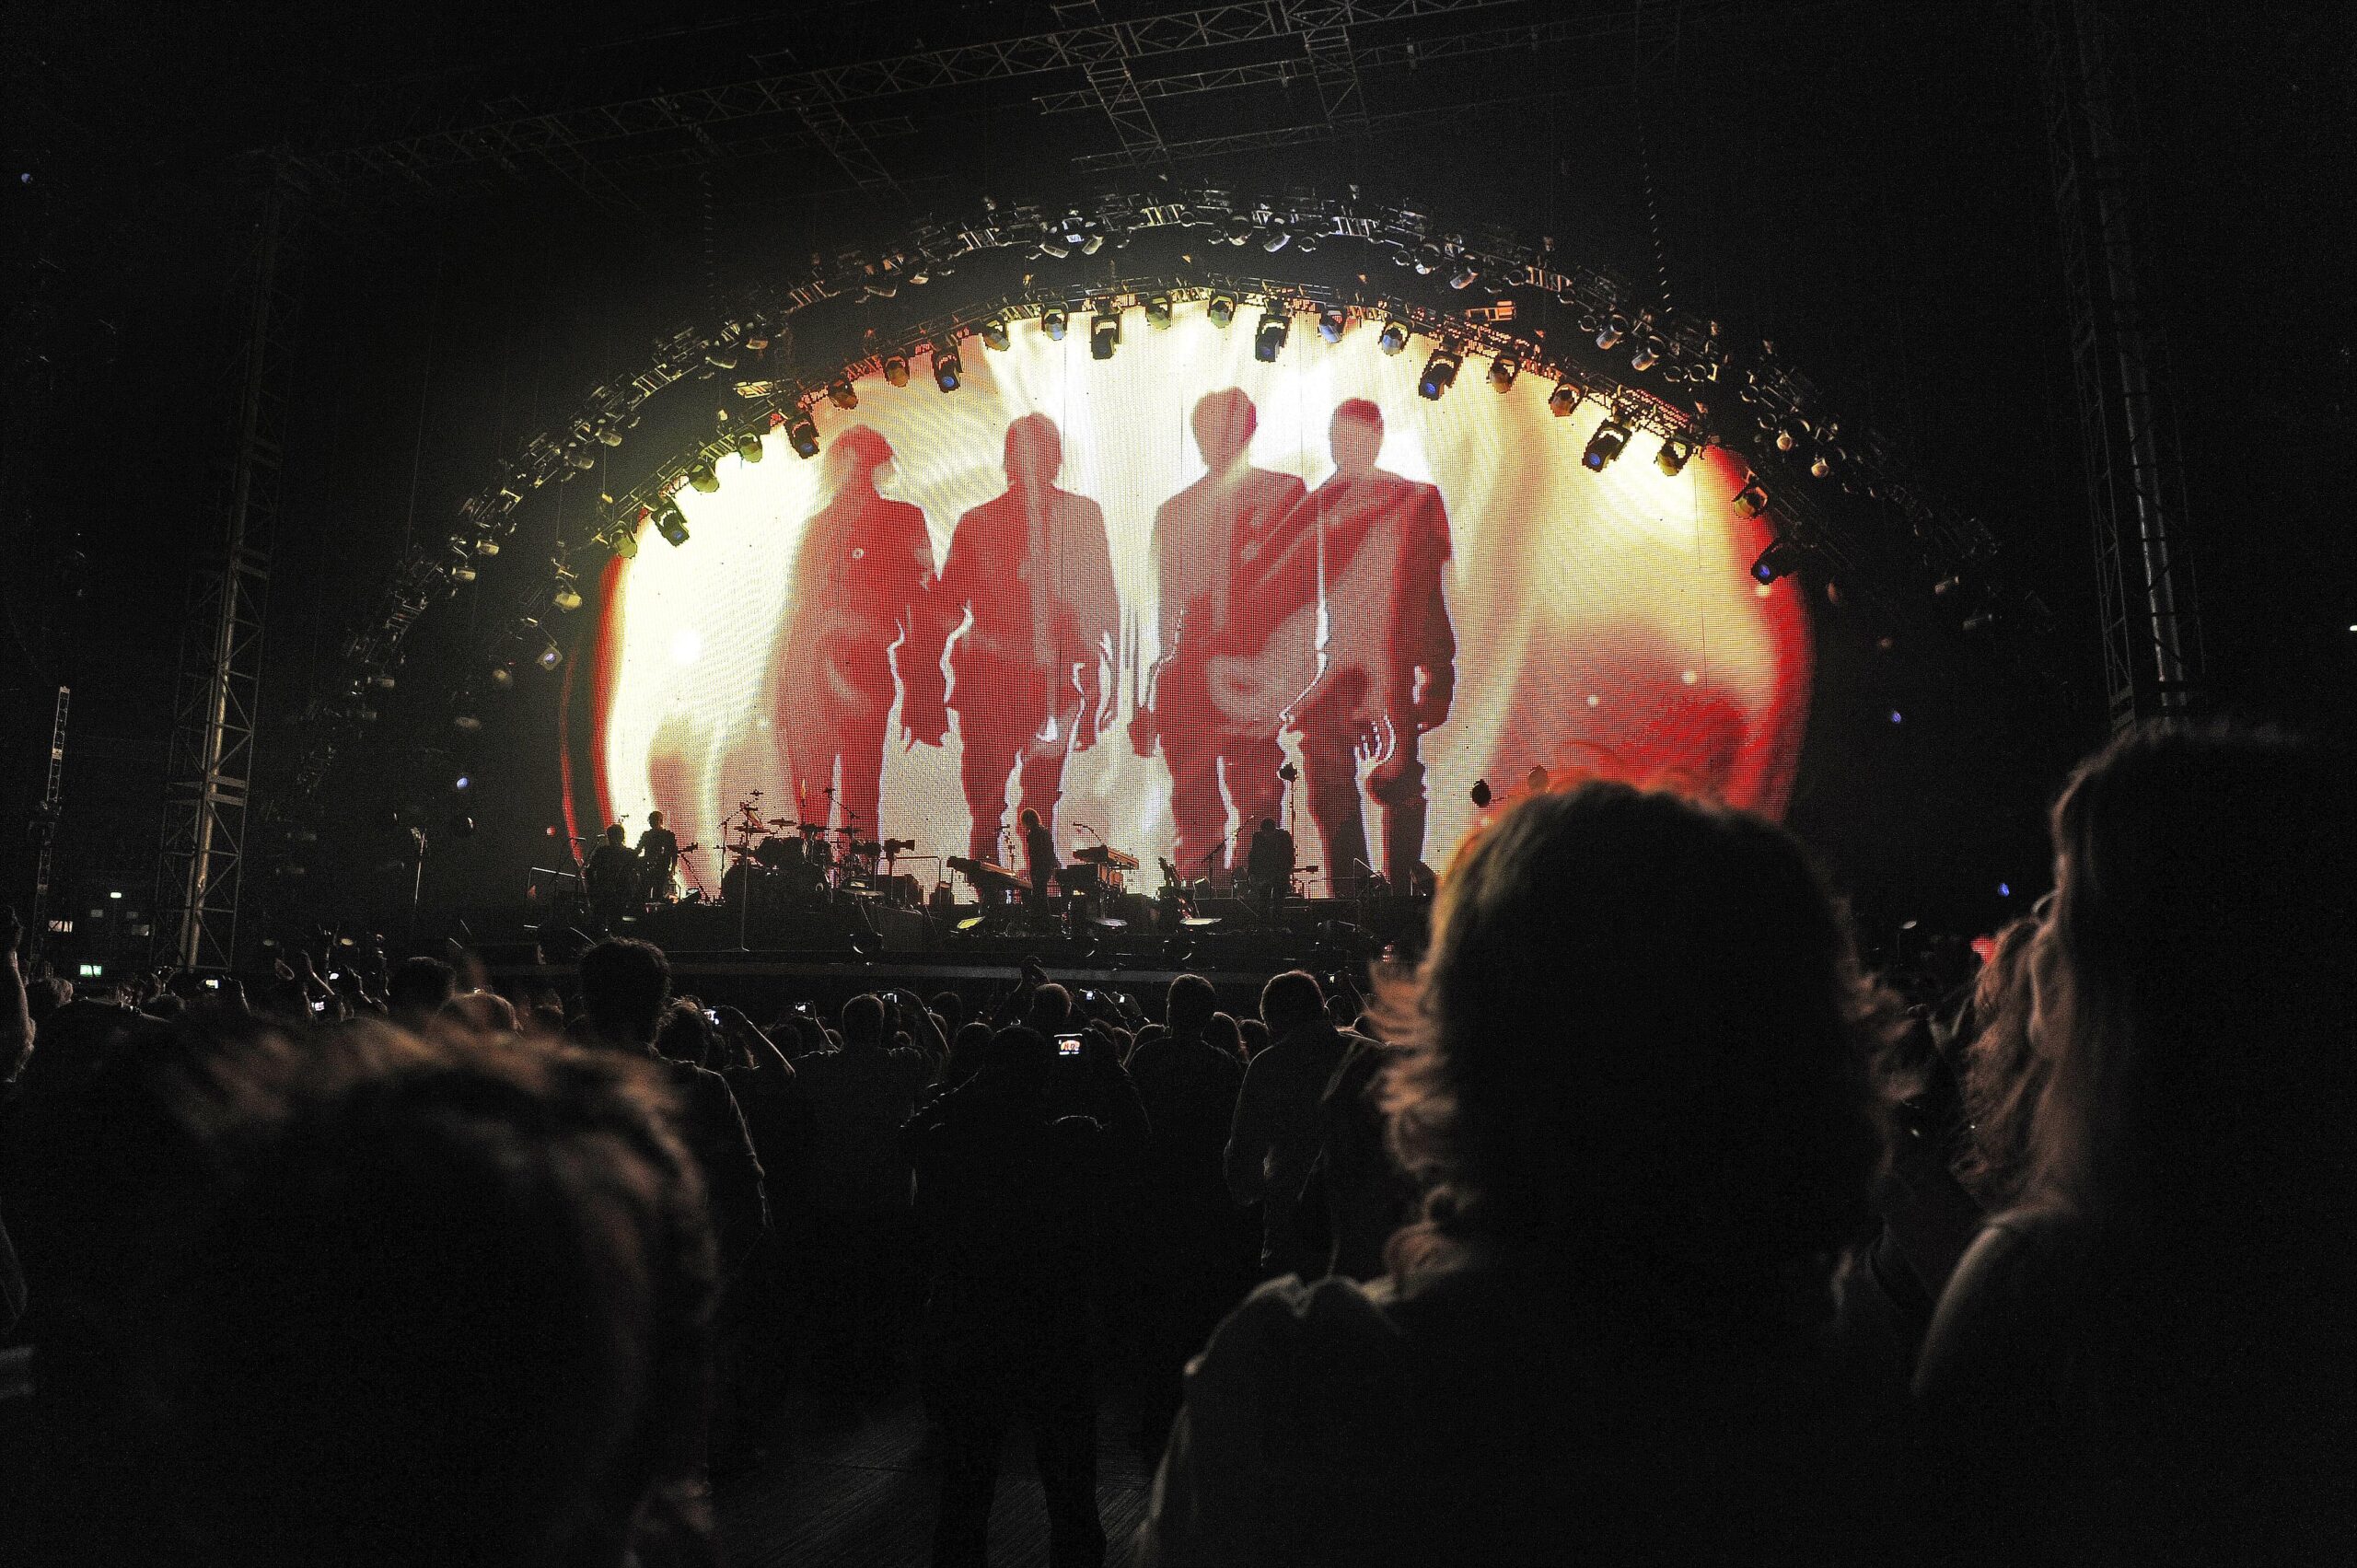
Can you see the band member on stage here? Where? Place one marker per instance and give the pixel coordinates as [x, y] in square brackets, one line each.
[613, 877]
[1269, 865]
[1039, 856]
[1388, 664]
[1027, 676]
[658, 856]
[859, 574]
[1199, 535]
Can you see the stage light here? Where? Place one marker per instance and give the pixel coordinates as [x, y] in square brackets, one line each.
[1608, 335]
[1787, 437]
[1464, 276]
[550, 656]
[1270, 336]
[1752, 499]
[699, 476]
[748, 447]
[1674, 454]
[1277, 239]
[567, 597]
[1565, 399]
[1503, 370]
[896, 370]
[1104, 333]
[1157, 311]
[1440, 374]
[1221, 309]
[802, 434]
[467, 724]
[1052, 321]
[1393, 338]
[2005, 891]
[672, 525]
[1897, 717]
[1820, 466]
[994, 333]
[503, 675]
[463, 782]
[1945, 587]
[841, 393]
[1604, 445]
[1330, 322]
[1781, 559]
[948, 370]
[1648, 354]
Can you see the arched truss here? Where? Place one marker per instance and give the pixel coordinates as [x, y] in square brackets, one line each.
[1835, 491]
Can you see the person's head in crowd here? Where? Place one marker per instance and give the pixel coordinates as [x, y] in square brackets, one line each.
[1188, 1005]
[950, 1009]
[1254, 1035]
[1221, 1033]
[1640, 1029]
[969, 1050]
[481, 1013]
[863, 1020]
[2001, 1072]
[1292, 1001]
[435, 1301]
[655, 821]
[685, 1034]
[1340, 1011]
[1021, 1055]
[1051, 1010]
[2193, 985]
[625, 984]
[46, 994]
[616, 835]
[416, 990]
[1029, 819]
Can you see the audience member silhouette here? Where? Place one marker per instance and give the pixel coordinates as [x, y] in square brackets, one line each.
[1642, 1118]
[416, 992]
[1033, 571]
[1279, 1120]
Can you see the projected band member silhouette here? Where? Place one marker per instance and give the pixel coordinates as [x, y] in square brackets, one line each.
[859, 575]
[1027, 676]
[1199, 536]
[1387, 665]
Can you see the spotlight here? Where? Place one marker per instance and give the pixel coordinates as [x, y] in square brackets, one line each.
[701, 478]
[1393, 338]
[1674, 454]
[748, 447]
[1330, 322]
[1157, 311]
[550, 656]
[948, 370]
[1221, 308]
[567, 598]
[1440, 374]
[1787, 437]
[802, 433]
[1052, 321]
[1565, 398]
[1277, 239]
[623, 540]
[1503, 370]
[994, 333]
[1104, 333]
[462, 781]
[839, 392]
[1781, 559]
[1271, 335]
[1946, 585]
[503, 675]
[467, 724]
[896, 370]
[1608, 335]
[672, 525]
[1464, 276]
[1648, 354]
[1821, 466]
[1752, 499]
[1604, 445]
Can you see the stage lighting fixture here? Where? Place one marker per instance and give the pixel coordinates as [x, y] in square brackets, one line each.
[503, 675]
[1464, 276]
[1276, 240]
[1752, 499]
[748, 447]
[1674, 454]
[994, 333]
[1221, 309]
[948, 370]
[1104, 333]
[567, 597]
[1440, 374]
[1157, 311]
[1393, 338]
[701, 477]
[1271, 335]
[1604, 445]
[1781, 559]
[672, 524]
[466, 723]
[550, 655]
[841, 393]
[1503, 370]
[1564, 399]
[802, 434]
[896, 370]
[1608, 335]
[1820, 465]
[1330, 322]
[1787, 437]
[1646, 357]
[1052, 321]
[464, 571]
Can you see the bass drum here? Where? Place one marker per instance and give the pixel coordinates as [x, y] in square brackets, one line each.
[777, 853]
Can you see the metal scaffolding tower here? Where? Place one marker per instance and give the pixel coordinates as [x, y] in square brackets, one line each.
[2152, 630]
[211, 761]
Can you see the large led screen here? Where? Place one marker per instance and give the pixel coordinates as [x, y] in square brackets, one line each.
[1161, 596]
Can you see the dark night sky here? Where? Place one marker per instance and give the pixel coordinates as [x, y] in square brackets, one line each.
[1866, 183]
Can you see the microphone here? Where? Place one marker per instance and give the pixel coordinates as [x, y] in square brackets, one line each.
[1100, 838]
[1363, 865]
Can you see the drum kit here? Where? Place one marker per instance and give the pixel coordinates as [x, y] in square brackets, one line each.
[785, 863]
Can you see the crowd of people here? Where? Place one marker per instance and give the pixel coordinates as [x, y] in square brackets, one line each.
[1634, 1222]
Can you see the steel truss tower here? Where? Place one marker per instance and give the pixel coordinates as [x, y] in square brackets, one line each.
[2152, 629]
[217, 705]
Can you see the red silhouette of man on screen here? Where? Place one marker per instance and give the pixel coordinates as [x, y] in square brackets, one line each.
[1027, 674]
[859, 575]
[1387, 667]
[1201, 535]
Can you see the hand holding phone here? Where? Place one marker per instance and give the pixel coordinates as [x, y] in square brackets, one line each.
[1068, 1046]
